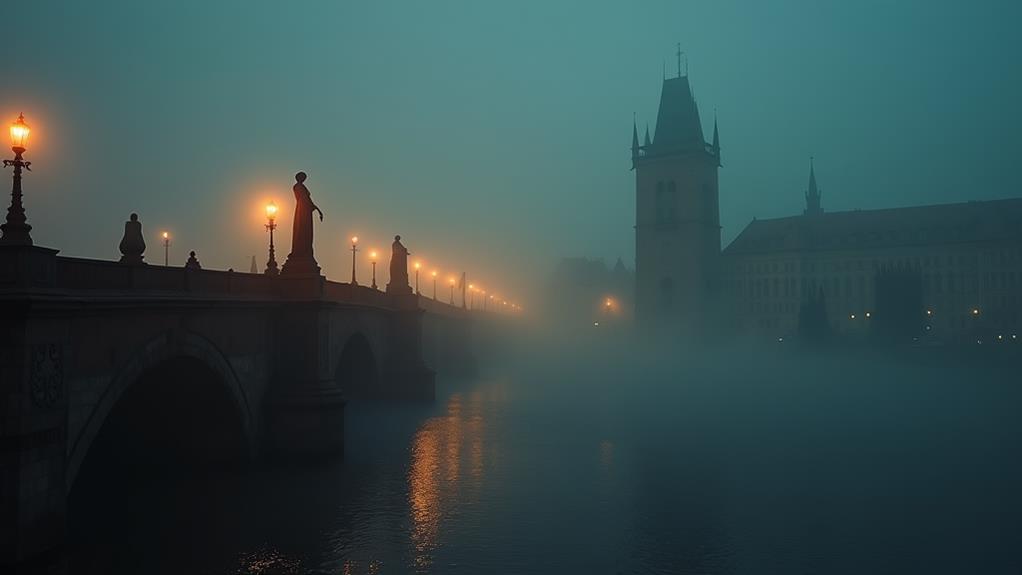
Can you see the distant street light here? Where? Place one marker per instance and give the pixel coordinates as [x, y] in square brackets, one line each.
[451, 281]
[417, 266]
[354, 250]
[471, 296]
[15, 228]
[434, 285]
[271, 224]
[372, 259]
[166, 249]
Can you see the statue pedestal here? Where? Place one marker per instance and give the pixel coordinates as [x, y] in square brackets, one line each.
[300, 266]
[399, 289]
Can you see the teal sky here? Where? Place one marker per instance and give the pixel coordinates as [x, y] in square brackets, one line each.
[493, 136]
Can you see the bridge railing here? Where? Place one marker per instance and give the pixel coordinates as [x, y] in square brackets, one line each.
[99, 275]
[86, 274]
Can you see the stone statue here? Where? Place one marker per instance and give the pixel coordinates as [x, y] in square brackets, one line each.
[399, 268]
[133, 243]
[192, 263]
[300, 260]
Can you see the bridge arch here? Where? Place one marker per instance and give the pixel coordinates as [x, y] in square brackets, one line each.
[172, 373]
[357, 370]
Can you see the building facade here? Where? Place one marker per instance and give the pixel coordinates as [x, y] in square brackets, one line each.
[967, 257]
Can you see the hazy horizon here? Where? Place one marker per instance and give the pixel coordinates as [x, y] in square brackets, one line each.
[494, 139]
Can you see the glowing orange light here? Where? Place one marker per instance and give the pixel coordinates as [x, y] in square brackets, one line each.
[434, 273]
[165, 235]
[354, 239]
[418, 265]
[450, 281]
[372, 255]
[19, 133]
[271, 211]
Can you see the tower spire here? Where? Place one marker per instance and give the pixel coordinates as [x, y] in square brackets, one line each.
[679, 59]
[813, 193]
[645, 141]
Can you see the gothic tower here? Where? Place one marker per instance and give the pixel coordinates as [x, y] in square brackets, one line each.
[677, 219]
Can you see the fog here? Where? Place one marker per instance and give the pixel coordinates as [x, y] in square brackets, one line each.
[494, 137]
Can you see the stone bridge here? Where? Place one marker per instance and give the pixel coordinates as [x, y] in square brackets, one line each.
[174, 360]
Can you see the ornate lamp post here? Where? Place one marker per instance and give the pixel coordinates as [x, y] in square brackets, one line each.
[271, 224]
[354, 250]
[417, 266]
[166, 249]
[16, 229]
[471, 296]
[434, 285]
[372, 260]
[451, 281]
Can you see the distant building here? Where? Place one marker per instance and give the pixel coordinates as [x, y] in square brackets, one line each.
[968, 258]
[965, 260]
[582, 286]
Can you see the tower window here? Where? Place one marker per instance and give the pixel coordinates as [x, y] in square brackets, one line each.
[666, 203]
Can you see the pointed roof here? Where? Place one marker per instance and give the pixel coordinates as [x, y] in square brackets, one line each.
[678, 128]
[716, 135]
[940, 224]
[635, 137]
[646, 142]
[813, 190]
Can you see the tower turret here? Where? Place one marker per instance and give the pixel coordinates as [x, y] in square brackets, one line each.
[716, 140]
[635, 143]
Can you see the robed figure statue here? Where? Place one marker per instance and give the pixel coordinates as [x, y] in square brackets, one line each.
[132, 243]
[301, 261]
[399, 268]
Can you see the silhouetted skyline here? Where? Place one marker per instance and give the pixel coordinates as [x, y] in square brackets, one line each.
[496, 133]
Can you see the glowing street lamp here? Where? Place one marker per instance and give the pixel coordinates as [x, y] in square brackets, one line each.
[434, 285]
[417, 266]
[471, 296]
[451, 281]
[372, 259]
[15, 228]
[354, 250]
[166, 248]
[271, 224]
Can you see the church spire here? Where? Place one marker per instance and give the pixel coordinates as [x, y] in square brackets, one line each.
[813, 194]
[645, 141]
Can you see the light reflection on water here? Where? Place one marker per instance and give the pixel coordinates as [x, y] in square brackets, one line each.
[595, 470]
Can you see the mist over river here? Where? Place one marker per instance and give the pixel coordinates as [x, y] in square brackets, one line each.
[597, 458]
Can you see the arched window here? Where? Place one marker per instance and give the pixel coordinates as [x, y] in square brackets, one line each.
[666, 203]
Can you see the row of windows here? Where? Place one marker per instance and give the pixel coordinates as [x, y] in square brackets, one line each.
[993, 258]
[789, 287]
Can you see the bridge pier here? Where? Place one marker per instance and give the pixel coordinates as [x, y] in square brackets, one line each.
[33, 412]
[304, 410]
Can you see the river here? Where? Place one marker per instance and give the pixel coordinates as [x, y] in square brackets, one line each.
[600, 461]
